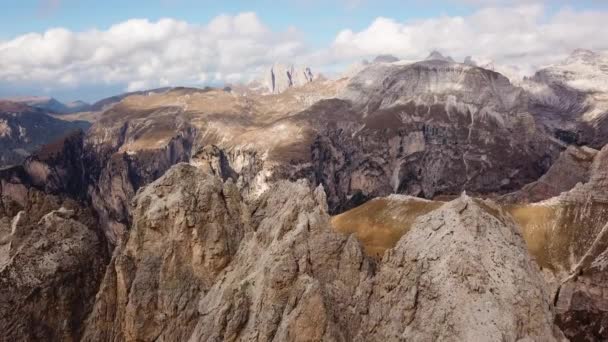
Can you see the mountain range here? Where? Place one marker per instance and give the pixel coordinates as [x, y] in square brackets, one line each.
[406, 200]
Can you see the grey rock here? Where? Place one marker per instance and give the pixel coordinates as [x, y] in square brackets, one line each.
[281, 77]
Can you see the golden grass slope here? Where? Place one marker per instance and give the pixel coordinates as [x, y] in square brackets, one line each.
[557, 233]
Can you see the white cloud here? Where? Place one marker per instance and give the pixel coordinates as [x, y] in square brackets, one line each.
[139, 53]
[520, 35]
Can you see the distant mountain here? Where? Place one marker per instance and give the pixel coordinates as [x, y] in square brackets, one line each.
[385, 59]
[572, 96]
[51, 105]
[24, 129]
[54, 106]
[77, 106]
[109, 101]
[281, 77]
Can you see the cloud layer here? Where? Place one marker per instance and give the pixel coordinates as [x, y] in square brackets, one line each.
[139, 54]
[521, 35]
[142, 54]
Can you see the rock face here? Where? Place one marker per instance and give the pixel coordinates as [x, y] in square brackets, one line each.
[199, 264]
[281, 77]
[572, 97]
[49, 274]
[581, 239]
[124, 155]
[187, 228]
[52, 253]
[25, 129]
[572, 167]
[427, 129]
[474, 252]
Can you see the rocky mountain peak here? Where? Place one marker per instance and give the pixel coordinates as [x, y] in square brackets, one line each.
[437, 56]
[281, 77]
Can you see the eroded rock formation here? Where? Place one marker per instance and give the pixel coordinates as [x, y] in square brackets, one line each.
[200, 264]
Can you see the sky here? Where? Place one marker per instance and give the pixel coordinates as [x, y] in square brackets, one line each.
[85, 49]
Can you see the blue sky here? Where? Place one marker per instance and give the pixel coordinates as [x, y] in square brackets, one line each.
[70, 64]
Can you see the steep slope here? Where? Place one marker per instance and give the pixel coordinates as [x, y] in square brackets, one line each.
[24, 129]
[138, 139]
[200, 264]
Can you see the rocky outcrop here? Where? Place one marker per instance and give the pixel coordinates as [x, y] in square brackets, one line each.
[581, 299]
[187, 227]
[200, 264]
[565, 233]
[281, 77]
[474, 252]
[572, 167]
[52, 258]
